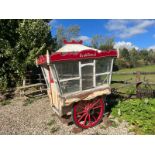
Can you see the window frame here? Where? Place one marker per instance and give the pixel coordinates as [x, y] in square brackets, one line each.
[66, 79]
[105, 73]
[79, 77]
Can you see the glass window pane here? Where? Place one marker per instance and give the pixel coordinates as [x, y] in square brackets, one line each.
[70, 86]
[103, 65]
[87, 77]
[102, 79]
[67, 69]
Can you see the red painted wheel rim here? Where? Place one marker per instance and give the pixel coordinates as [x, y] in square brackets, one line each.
[87, 114]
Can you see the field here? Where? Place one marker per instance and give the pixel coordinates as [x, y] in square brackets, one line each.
[132, 78]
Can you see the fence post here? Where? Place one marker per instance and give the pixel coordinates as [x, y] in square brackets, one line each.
[138, 77]
[24, 82]
[138, 82]
[39, 77]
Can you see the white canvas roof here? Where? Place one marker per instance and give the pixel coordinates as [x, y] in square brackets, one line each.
[75, 48]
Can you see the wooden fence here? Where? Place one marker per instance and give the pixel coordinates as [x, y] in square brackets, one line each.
[32, 79]
[133, 73]
[40, 79]
[138, 78]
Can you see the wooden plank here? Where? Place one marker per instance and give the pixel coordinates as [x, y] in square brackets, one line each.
[132, 83]
[32, 85]
[35, 91]
[131, 73]
[85, 92]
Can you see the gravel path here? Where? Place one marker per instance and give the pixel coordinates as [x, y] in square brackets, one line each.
[38, 118]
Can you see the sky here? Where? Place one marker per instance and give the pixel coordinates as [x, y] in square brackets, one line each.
[138, 33]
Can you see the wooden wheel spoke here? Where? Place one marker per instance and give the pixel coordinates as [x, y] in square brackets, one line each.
[85, 119]
[81, 117]
[97, 107]
[80, 112]
[88, 114]
[89, 119]
[94, 117]
[95, 103]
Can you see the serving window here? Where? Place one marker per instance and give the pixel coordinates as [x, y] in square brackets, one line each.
[83, 75]
[87, 77]
[68, 76]
[103, 71]
[103, 65]
[67, 70]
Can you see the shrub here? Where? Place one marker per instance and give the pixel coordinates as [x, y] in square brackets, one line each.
[139, 113]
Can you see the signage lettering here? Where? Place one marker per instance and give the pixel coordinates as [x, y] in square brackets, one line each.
[84, 55]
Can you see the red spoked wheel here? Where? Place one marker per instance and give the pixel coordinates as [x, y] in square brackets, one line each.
[87, 114]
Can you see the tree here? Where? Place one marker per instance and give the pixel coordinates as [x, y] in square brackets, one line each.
[102, 43]
[108, 44]
[21, 41]
[69, 33]
[144, 54]
[124, 53]
[97, 41]
[124, 60]
[60, 33]
[134, 55]
[72, 32]
[8, 38]
[151, 56]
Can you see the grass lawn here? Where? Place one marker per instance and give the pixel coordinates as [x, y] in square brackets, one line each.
[150, 68]
[132, 78]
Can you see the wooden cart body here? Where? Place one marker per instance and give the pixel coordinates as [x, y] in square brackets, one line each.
[75, 73]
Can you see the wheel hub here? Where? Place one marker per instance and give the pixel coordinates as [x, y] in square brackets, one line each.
[91, 112]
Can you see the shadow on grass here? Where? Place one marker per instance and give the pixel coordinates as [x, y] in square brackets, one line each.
[113, 99]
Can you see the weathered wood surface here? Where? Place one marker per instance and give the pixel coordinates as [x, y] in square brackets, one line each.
[32, 85]
[40, 87]
[132, 83]
[85, 93]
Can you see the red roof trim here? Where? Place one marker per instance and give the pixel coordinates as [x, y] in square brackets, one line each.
[72, 56]
[85, 54]
[41, 60]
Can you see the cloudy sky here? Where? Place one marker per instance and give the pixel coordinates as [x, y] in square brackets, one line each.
[130, 33]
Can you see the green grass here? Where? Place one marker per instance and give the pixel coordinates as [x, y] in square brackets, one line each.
[150, 68]
[132, 78]
[139, 113]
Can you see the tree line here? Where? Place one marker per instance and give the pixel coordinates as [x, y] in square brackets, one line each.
[134, 58]
[22, 41]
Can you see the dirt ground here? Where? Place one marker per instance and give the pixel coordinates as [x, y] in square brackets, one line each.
[37, 118]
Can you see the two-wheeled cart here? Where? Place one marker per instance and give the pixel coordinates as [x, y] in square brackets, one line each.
[78, 79]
